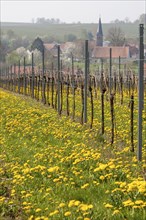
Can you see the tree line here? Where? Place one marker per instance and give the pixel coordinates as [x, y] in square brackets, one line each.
[42, 20]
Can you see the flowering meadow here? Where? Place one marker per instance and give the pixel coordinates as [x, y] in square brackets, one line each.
[53, 168]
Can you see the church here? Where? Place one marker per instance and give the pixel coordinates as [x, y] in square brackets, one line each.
[103, 52]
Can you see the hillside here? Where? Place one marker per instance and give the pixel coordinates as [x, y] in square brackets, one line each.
[59, 30]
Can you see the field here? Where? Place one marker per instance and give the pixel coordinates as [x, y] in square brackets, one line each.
[55, 168]
[32, 30]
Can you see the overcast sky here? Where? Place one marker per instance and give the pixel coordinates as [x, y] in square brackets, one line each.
[71, 11]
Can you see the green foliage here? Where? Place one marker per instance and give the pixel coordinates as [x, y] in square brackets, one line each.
[70, 37]
[90, 35]
[13, 58]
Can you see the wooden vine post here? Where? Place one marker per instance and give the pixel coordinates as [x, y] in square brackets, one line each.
[132, 116]
[32, 76]
[19, 77]
[102, 110]
[82, 99]
[92, 106]
[58, 84]
[112, 117]
[67, 96]
[86, 81]
[24, 79]
[140, 90]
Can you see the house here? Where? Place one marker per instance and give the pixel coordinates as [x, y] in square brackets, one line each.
[52, 49]
[103, 52]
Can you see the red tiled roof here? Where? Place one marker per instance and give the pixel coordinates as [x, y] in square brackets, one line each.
[104, 52]
[67, 45]
[50, 46]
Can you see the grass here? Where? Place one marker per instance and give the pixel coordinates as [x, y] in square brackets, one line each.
[54, 168]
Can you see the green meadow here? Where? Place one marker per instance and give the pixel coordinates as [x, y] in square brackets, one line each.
[53, 168]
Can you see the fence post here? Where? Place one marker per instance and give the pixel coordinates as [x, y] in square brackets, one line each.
[140, 90]
[72, 64]
[119, 66]
[19, 78]
[11, 85]
[112, 117]
[85, 81]
[32, 78]
[58, 80]
[110, 71]
[43, 78]
[24, 79]
[131, 118]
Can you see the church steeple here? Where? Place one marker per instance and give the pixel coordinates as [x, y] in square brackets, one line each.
[99, 35]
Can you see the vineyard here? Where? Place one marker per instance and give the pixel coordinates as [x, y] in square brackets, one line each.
[69, 143]
[84, 97]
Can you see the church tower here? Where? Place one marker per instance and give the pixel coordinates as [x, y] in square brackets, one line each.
[99, 35]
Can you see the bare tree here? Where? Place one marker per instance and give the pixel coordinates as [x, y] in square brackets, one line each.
[116, 36]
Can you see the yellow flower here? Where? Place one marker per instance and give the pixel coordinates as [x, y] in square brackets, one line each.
[128, 203]
[85, 186]
[90, 206]
[115, 212]
[136, 207]
[31, 217]
[61, 205]
[139, 202]
[71, 203]
[79, 218]
[38, 210]
[56, 180]
[85, 207]
[53, 169]
[77, 203]
[101, 177]
[2, 199]
[67, 214]
[108, 205]
[54, 213]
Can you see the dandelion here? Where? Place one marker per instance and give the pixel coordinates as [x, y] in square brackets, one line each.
[108, 205]
[128, 203]
[139, 202]
[54, 213]
[85, 207]
[53, 169]
[31, 217]
[85, 186]
[67, 214]
[2, 199]
[102, 177]
[38, 210]
[61, 205]
[115, 212]
[77, 203]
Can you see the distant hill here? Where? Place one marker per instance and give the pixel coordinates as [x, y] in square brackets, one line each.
[59, 30]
